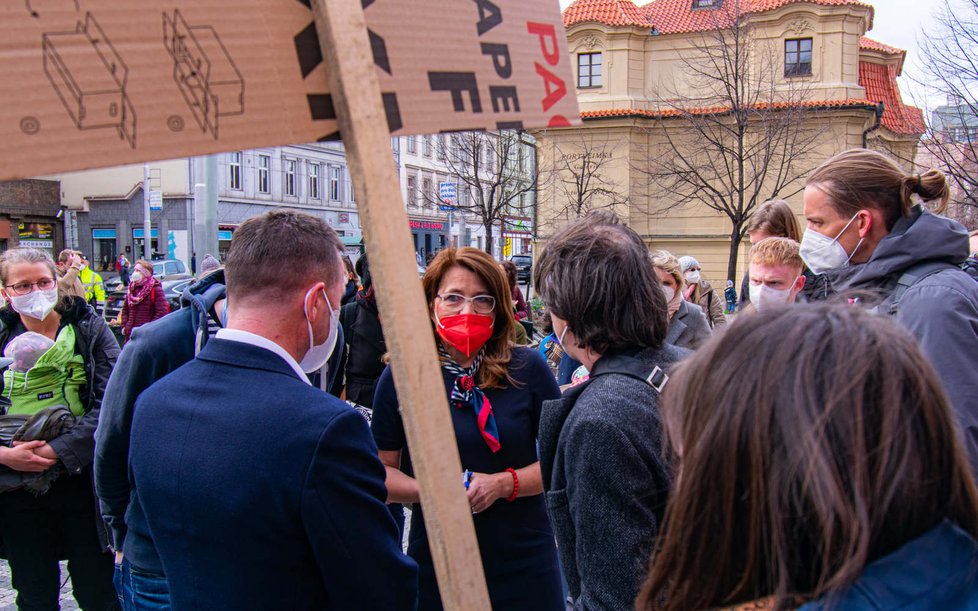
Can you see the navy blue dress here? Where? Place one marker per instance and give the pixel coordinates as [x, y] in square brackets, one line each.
[515, 539]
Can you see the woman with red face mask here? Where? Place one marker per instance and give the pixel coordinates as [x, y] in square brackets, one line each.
[495, 391]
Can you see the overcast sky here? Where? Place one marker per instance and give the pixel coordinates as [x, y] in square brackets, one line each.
[899, 23]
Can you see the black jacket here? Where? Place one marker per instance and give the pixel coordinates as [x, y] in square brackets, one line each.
[99, 350]
[365, 339]
[606, 481]
[941, 310]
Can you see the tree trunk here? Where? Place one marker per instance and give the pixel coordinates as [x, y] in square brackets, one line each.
[735, 238]
[488, 227]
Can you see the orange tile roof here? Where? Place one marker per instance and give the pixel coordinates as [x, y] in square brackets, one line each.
[610, 12]
[875, 45]
[674, 112]
[879, 81]
[673, 16]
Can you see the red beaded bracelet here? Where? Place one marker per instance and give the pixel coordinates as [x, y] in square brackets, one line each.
[516, 485]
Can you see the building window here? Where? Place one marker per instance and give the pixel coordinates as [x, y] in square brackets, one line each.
[234, 171]
[334, 183]
[441, 148]
[313, 180]
[290, 177]
[798, 57]
[588, 70]
[412, 144]
[426, 146]
[412, 191]
[427, 190]
[707, 3]
[264, 170]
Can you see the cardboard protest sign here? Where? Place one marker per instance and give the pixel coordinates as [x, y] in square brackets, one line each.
[91, 83]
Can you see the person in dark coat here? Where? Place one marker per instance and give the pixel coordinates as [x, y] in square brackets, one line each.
[364, 339]
[495, 392]
[145, 300]
[38, 530]
[601, 456]
[292, 504]
[824, 472]
[866, 237]
[350, 289]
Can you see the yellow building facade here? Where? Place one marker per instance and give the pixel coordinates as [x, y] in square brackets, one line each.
[641, 94]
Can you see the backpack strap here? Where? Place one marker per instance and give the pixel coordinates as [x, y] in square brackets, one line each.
[912, 276]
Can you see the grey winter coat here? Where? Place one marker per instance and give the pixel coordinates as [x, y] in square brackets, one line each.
[606, 480]
[689, 327]
[941, 310]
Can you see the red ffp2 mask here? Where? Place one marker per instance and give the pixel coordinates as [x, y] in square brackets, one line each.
[467, 333]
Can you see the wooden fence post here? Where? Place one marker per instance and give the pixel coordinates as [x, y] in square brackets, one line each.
[417, 376]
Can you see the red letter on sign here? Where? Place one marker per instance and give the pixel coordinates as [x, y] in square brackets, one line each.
[556, 89]
[545, 31]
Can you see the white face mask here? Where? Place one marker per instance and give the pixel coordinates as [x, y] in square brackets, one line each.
[693, 277]
[137, 276]
[37, 304]
[762, 296]
[822, 253]
[318, 354]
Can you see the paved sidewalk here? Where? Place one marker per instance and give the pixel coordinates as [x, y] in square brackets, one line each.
[8, 595]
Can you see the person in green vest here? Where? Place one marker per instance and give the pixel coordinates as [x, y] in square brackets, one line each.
[38, 530]
[94, 289]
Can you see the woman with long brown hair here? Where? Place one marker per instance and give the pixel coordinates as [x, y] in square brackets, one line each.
[824, 471]
[495, 391]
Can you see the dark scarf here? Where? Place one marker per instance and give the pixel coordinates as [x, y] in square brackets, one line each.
[465, 394]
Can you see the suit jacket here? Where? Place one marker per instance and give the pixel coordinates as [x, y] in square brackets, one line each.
[688, 327]
[261, 491]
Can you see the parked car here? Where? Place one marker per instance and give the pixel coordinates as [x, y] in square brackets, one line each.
[524, 267]
[165, 269]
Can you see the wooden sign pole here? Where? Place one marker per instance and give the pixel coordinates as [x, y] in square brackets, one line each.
[407, 330]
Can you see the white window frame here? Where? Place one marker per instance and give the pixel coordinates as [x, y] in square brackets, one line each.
[234, 170]
[264, 174]
[315, 170]
[289, 183]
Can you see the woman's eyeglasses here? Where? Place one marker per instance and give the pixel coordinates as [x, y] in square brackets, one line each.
[22, 288]
[453, 302]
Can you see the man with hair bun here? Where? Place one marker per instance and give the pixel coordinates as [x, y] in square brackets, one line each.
[776, 272]
[872, 241]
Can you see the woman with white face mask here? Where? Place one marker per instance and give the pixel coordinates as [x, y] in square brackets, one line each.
[61, 522]
[688, 327]
[145, 299]
[701, 292]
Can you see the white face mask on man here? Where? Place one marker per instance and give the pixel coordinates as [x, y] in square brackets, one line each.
[318, 354]
[822, 253]
[763, 296]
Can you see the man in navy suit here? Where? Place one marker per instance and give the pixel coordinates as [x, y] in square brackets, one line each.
[259, 490]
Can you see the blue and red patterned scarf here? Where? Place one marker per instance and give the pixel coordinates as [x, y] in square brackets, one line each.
[466, 394]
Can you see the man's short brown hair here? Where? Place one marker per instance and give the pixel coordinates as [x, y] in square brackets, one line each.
[776, 252]
[279, 252]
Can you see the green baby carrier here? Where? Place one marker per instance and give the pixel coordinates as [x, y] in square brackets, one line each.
[56, 379]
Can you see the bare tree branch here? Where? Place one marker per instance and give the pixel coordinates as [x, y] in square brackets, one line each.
[742, 133]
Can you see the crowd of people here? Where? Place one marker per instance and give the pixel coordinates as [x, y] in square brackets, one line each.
[247, 451]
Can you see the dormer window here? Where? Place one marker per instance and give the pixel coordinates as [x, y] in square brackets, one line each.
[707, 3]
[798, 57]
[588, 70]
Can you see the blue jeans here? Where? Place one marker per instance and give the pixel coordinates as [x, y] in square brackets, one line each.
[140, 590]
